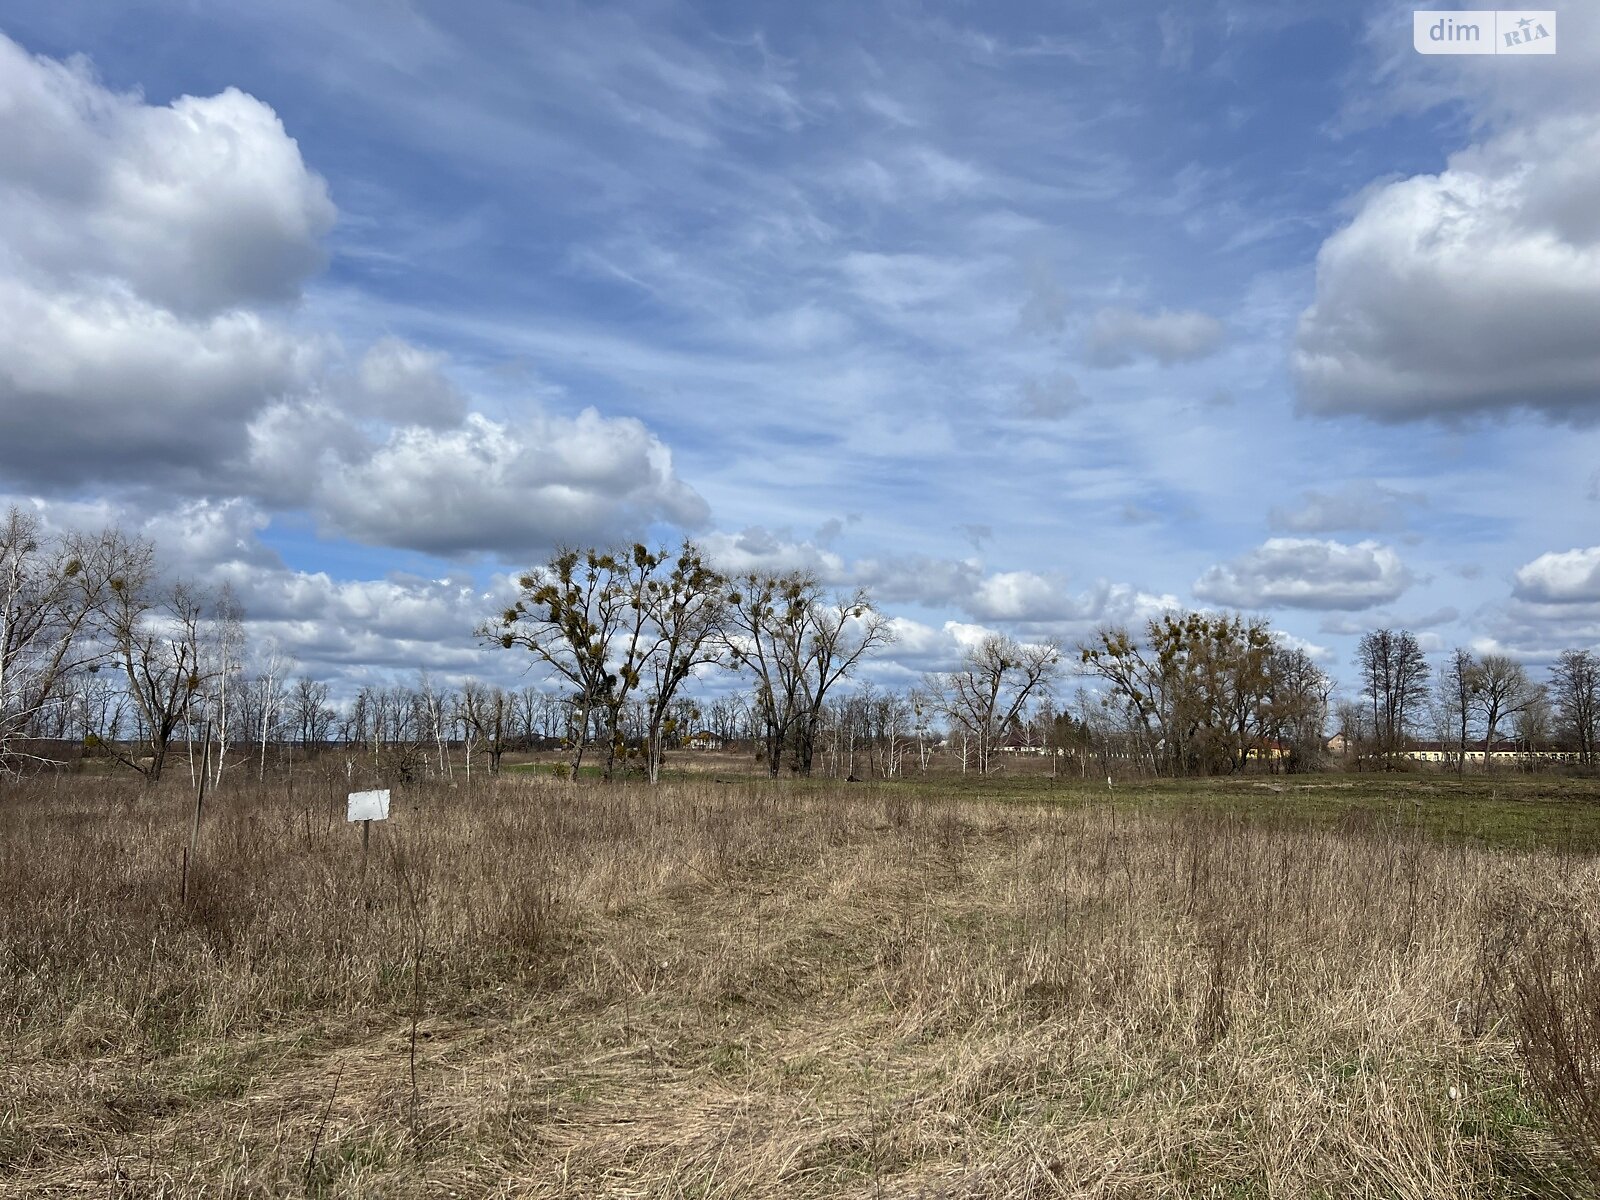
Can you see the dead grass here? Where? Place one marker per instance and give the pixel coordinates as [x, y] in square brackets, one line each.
[738, 990]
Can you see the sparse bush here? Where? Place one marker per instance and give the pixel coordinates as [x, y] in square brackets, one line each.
[1554, 969]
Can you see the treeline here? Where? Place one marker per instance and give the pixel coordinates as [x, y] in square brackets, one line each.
[641, 648]
[1195, 693]
[1473, 702]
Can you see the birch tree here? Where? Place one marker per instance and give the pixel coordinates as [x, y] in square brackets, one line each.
[223, 654]
[273, 695]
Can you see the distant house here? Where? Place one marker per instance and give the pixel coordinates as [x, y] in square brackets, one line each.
[1338, 745]
[705, 740]
[1016, 743]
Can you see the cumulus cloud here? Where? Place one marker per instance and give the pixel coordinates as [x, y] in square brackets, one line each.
[1101, 603]
[1475, 290]
[199, 537]
[1042, 606]
[406, 385]
[920, 579]
[1365, 506]
[1317, 653]
[1031, 601]
[200, 205]
[347, 631]
[144, 253]
[1019, 596]
[1567, 577]
[1307, 573]
[107, 387]
[495, 486]
[1120, 336]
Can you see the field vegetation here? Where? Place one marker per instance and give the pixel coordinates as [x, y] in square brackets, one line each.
[725, 986]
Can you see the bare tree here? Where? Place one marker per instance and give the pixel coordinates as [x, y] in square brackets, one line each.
[1575, 693]
[1459, 686]
[569, 617]
[1352, 722]
[1503, 691]
[271, 684]
[1394, 676]
[986, 694]
[310, 713]
[489, 715]
[52, 592]
[684, 610]
[891, 717]
[1196, 688]
[155, 633]
[922, 708]
[1296, 707]
[435, 707]
[1535, 720]
[798, 644]
[222, 659]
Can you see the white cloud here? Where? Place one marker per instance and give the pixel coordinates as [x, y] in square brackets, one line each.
[105, 386]
[920, 579]
[344, 630]
[1307, 573]
[199, 206]
[198, 537]
[1319, 654]
[1019, 596]
[1475, 290]
[406, 385]
[1567, 577]
[140, 249]
[760, 549]
[510, 488]
[1119, 336]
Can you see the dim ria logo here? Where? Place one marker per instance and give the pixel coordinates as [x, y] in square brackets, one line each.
[1484, 31]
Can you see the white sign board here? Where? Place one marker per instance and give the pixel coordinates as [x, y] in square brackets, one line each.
[368, 806]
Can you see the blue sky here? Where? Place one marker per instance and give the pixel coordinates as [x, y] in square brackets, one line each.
[1030, 317]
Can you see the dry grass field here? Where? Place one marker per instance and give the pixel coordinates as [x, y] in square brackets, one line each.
[741, 989]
